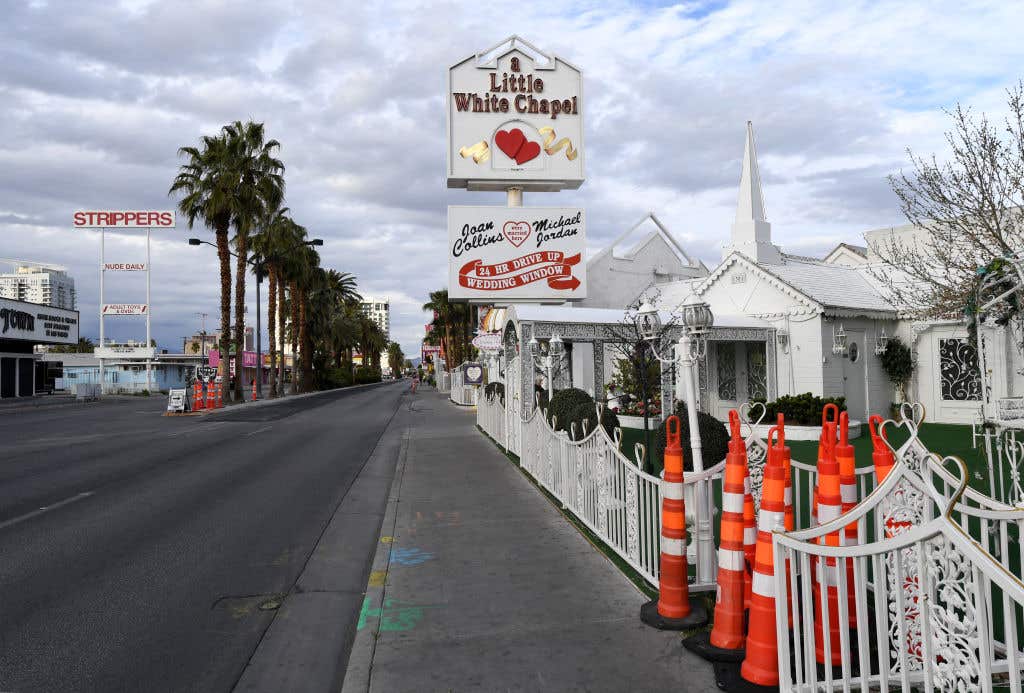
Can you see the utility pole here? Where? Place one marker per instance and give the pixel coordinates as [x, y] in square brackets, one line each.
[202, 346]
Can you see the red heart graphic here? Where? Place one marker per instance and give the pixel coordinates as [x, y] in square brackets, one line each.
[528, 151]
[516, 231]
[509, 141]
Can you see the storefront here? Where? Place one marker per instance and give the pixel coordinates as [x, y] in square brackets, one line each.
[23, 325]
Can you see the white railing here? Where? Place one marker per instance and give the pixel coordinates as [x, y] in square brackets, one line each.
[935, 590]
[607, 491]
[461, 393]
[443, 380]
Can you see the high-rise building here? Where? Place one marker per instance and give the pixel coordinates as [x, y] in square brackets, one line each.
[379, 310]
[36, 282]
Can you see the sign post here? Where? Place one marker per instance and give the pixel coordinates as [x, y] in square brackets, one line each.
[130, 219]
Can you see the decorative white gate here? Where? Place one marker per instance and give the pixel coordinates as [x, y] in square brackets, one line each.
[936, 593]
[513, 403]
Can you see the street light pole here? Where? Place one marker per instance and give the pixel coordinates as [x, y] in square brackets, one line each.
[696, 321]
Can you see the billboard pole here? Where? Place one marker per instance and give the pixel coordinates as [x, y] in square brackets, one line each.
[103, 238]
[149, 311]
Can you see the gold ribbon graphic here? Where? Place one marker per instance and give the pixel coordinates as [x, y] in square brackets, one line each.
[564, 143]
[479, 152]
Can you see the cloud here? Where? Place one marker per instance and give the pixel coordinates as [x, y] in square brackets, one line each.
[96, 98]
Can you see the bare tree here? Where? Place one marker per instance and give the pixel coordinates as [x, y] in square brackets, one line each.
[968, 211]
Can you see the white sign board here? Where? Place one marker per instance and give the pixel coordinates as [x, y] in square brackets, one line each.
[516, 253]
[488, 341]
[124, 218]
[125, 266]
[515, 118]
[125, 352]
[31, 322]
[177, 400]
[124, 308]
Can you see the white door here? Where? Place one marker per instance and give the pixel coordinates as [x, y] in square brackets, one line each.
[854, 375]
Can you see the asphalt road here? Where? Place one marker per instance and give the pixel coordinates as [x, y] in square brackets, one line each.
[136, 550]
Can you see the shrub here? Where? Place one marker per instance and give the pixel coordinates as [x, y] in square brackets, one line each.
[367, 374]
[495, 389]
[562, 404]
[897, 363]
[714, 438]
[587, 412]
[575, 405]
[800, 410]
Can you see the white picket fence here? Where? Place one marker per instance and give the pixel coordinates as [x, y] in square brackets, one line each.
[607, 491]
[463, 394]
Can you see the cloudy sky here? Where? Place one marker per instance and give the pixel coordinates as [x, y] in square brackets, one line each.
[96, 98]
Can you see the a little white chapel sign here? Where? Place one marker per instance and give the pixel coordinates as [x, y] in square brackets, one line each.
[515, 118]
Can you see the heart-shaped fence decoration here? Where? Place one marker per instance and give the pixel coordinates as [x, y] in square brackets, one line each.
[516, 231]
[474, 373]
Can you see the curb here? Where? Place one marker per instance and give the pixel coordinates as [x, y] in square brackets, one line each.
[246, 406]
[359, 669]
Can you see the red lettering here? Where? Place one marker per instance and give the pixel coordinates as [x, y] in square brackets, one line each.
[79, 219]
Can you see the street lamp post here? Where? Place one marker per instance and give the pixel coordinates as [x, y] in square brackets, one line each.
[547, 361]
[696, 320]
[258, 265]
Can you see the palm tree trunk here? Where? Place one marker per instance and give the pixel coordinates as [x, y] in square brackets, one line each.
[224, 256]
[243, 252]
[293, 292]
[280, 334]
[272, 328]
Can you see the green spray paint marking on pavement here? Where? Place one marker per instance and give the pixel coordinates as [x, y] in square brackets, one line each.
[392, 617]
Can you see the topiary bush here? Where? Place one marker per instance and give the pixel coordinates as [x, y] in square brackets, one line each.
[800, 410]
[562, 404]
[714, 438]
[495, 389]
[898, 364]
[587, 412]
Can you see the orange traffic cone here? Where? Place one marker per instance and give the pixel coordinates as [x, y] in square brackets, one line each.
[220, 394]
[881, 454]
[830, 507]
[848, 492]
[761, 665]
[211, 396]
[830, 408]
[197, 395]
[749, 538]
[673, 610]
[725, 642]
[784, 456]
[253, 390]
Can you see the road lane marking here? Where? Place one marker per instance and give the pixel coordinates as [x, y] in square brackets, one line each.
[258, 430]
[45, 509]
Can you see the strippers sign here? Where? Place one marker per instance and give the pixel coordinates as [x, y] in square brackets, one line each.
[498, 254]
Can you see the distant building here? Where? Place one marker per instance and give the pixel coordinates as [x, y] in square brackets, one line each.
[202, 342]
[33, 282]
[379, 310]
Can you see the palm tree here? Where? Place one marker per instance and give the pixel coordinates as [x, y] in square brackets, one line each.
[261, 189]
[227, 181]
[269, 246]
[395, 358]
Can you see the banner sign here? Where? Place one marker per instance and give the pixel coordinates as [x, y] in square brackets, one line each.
[37, 324]
[133, 352]
[473, 374]
[515, 119]
[488, 341]
[523, 253]
[124, 266]
[126, 219]
[124, 308]
[206, 374]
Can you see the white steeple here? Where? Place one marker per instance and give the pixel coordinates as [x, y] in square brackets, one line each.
[751, 232]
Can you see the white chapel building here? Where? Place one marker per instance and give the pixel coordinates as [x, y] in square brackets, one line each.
[828, 316]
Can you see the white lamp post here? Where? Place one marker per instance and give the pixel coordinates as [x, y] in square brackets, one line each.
[547, 361]
[696, 320]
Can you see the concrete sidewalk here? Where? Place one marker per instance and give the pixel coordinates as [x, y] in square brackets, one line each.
[479, 583]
